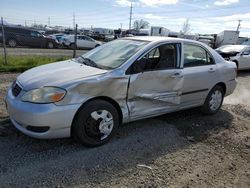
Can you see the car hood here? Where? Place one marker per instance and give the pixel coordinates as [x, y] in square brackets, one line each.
[56, 74]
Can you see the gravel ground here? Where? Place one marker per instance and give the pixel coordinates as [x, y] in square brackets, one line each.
[182, 149]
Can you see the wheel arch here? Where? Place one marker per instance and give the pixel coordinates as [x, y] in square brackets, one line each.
[236, 62]
[223, 85]
[104, 98]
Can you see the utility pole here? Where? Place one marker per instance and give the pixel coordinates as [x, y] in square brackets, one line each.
[238, 27]
[131, 12]
[74, 20]
[48, 21]
[4, 42]
[121, 29]
[75, 42]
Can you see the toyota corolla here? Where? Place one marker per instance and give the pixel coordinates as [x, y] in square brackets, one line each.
[121, 81]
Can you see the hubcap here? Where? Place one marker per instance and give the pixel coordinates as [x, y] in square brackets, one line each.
[99, 124]
[215, 100]
[12, 43]
[50, 45]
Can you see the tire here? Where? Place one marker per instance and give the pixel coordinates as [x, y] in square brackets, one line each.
[89, 121]
[213, 101]
[72, 46]
[50, 45]
[12, 43]
[97, 45]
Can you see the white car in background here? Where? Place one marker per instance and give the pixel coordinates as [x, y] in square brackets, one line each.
[240, 54]
[82, 41]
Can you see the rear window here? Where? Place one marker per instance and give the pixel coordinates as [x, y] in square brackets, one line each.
[196, 56]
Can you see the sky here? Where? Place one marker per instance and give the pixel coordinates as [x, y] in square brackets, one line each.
[205, 16]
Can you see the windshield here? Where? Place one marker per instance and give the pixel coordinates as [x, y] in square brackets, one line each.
[113, 54]
[233, 48]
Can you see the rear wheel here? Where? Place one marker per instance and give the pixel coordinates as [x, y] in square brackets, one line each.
[73, 46]
[12, 43]
[96, 123]
[213, 101]
[50, 45]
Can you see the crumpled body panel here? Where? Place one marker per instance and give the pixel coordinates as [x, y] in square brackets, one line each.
[153, 92]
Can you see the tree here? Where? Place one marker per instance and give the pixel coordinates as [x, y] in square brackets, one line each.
[186, 27]
[141, 24]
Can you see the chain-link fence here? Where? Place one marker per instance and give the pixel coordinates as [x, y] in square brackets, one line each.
[27, 47]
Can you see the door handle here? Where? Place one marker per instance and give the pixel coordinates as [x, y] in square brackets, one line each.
[177, 75]
[211, 70]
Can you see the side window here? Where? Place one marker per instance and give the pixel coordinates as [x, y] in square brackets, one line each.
[79, 38]
[87, 38]
[162, 57]
[35, 34]
[196, 56]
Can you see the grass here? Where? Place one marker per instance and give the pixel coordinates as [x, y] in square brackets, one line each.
[23, 63]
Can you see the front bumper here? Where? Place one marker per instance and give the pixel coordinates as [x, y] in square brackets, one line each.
[57, 118]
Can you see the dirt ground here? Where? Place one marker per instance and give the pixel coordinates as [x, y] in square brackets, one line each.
[182, 149]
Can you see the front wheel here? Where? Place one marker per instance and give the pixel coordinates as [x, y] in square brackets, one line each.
[12, 43]
[96, 123]
[213, 101]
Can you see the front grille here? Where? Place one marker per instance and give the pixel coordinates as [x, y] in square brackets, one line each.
[16, 89]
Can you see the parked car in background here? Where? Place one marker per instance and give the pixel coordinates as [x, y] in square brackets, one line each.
[57, 36]
[21, 36]
[82, 41]
[240, 54]
[121, 81]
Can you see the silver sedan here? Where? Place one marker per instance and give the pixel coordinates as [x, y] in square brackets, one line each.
[121, 81]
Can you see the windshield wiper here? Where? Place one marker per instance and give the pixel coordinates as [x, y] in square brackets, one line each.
[89, 62]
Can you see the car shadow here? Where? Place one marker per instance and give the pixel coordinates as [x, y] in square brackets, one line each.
[140, 142]
[243, 73]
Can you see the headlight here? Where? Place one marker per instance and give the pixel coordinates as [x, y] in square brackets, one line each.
[44, 95]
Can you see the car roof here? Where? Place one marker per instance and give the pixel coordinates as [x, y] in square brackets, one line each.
[161, 39]
[233, 45]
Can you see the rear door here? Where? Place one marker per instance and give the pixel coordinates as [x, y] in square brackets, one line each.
[200, 74]
[245, 59]
[85, 42]
[155, 82]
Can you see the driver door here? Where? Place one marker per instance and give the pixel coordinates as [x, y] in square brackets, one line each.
[155, 82]
[36, 39]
